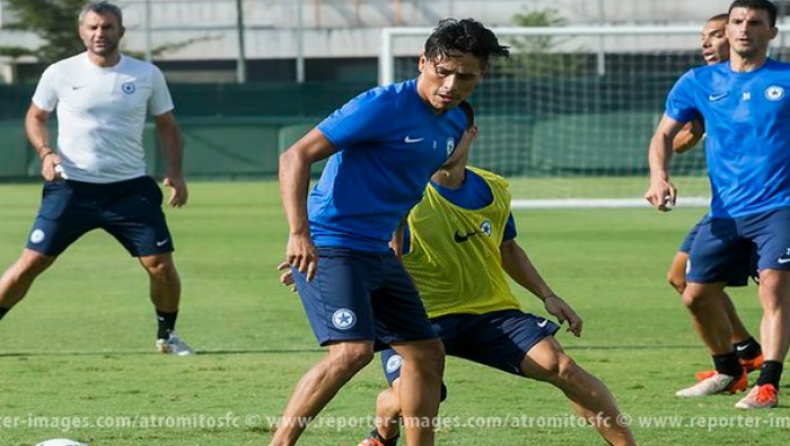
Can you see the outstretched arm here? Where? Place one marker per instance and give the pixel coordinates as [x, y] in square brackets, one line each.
[519, 267]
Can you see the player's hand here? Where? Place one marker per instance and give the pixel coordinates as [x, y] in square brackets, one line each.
[662, 194]
[179, 193]
[302, 255]
[50, 168]
[287, 278]
[564, 313]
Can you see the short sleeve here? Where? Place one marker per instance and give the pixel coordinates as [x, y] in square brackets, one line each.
[680, 104]
[360, 120]
[160, 101]
[46, 94]
[510, 231]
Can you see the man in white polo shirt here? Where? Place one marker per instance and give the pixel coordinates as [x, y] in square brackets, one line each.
[96, 178]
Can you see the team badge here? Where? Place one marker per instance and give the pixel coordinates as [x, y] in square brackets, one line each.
[450, 145]
[37, 236]
[128, 87]
[774, 93]
[485, 228]
[343, 319]
[393, 363]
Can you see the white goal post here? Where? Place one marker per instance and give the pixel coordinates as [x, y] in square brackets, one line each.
[568, 117]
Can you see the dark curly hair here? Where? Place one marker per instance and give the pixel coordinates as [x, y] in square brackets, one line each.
[465, 36]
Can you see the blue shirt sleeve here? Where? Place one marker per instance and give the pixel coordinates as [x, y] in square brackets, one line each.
[510, 229]
[680, 104]
[362, 119]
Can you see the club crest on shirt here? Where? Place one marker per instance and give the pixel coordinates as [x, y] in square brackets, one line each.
[128, 87]
[774, 93]
[485, 228]
[450, 145]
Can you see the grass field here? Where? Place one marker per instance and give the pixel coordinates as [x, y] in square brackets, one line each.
[77, 357]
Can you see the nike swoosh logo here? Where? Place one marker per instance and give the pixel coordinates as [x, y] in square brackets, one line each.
[543, 323]
[162, 243]
[741, 348]
[716, 97]
[77, 87]
[783, 260]
[410, 140]
[460, 238]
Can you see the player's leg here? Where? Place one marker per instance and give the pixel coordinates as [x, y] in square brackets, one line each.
[165, 294]
[716, 252]
[747, 348]
[591, 399]
[62, 218]
[401, 322]
[676, 274]
[774, 296]
[523, 344]
[771, 234]
[133, 215]
[318, 386]
[420, 388]
[19, 277]
[387, 428]
[337, 305]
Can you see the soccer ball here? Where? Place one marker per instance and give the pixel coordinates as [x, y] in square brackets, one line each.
[61, 442]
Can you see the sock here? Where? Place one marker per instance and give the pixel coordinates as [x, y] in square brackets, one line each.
[3, 311]
[166, 323]
[728, 364]
[748, 349]
[771, 373]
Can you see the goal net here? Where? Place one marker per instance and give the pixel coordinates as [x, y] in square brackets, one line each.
[569, 116]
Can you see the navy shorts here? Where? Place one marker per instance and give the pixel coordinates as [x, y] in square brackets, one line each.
[131, 211]
[724, 242]
[362, 296]
[499, 339]
[736, 275]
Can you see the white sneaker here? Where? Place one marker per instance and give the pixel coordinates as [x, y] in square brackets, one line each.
[718, 383]
[173, 345]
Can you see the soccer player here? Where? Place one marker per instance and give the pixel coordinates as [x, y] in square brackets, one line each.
[715, 49]
[744, 104]
[96, 178]
[383, 146]
[464, 223]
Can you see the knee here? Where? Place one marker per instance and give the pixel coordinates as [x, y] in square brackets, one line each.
[30, 265]
[426, 358]
[561, 369]
[694, 300]
[430, 357]
[348, 358]
[160, 268]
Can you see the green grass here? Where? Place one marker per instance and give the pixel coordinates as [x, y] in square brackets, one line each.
[79, 350]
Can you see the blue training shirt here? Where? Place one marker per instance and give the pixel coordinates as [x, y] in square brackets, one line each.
[389, 144]
[747, 124]
[473, 194]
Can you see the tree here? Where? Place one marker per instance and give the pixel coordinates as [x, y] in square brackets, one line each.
[54, 21]
[537, 56]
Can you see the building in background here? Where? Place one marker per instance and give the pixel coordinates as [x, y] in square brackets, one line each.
[322, 40]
